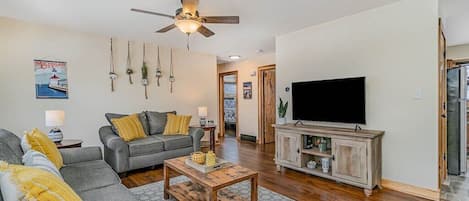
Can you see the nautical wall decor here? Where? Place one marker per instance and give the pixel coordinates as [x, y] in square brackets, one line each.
[172, 79]
[112, 74]
[129, 70]
[51, 79]
[159, 74]
[144, 73]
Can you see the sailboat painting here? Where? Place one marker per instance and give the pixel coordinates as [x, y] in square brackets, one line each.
[51, 79]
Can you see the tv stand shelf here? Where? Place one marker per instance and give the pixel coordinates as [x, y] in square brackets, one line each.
[355, 156]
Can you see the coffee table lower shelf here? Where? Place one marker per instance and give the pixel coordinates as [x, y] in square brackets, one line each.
[192, 191]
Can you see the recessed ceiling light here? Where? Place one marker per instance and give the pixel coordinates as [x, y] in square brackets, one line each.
[235, 57]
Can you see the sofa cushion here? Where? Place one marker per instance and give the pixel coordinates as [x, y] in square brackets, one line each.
[89, 175]
[8, 155]
[116, 192]
[157, 121]
[172, 142]
[141, 116]
[12, 141]
[148, 145]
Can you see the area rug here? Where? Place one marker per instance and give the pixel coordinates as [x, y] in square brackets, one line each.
[154, 191]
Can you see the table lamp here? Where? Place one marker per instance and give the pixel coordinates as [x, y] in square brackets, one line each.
[203, 115]
[54, 119]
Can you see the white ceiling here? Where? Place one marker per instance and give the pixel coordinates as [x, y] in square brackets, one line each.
[261, 20]
[455, 15]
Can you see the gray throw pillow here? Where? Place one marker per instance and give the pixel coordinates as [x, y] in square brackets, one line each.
[157, 121]
[8, 155]
[141, 116]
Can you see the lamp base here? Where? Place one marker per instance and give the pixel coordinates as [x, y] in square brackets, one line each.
[203, 122]
[56, 135]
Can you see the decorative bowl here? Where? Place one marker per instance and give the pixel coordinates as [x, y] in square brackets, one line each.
[198, 157]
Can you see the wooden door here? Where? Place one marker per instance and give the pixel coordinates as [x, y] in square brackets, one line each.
[268, 104]
[442, 109]
[288, 149]
[349, 161]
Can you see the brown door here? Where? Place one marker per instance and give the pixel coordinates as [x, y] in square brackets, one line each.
[268, 103]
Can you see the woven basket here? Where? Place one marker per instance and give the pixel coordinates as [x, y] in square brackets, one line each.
[198, 157]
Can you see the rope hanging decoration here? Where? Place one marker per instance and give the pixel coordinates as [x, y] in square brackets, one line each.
[172, 79]
[129, 70]
[144, 73]
[112, 74]
[159, 74]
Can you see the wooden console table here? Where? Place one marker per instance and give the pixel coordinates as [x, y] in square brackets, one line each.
[355, 157]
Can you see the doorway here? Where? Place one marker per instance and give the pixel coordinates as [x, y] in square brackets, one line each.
[267, 104]
[228, 103]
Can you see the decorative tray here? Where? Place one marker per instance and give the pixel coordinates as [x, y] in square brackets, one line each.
[220, 163]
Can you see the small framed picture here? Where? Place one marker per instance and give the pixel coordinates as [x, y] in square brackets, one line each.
[51, 79]
[247, 90]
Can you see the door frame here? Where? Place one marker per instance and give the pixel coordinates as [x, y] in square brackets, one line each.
[442, 112]
[221, 103]
[260, 81]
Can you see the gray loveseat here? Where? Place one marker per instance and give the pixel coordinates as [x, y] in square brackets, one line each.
[149, 151]
[84, 170]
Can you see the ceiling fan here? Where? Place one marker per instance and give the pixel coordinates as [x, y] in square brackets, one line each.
[187, 19]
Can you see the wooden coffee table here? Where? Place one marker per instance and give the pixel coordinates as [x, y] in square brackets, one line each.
[207, 186]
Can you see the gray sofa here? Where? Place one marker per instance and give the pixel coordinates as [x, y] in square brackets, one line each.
[150, 151]
[84, 170]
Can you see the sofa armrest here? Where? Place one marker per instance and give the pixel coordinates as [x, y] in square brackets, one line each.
[76, 155]
[197, 134]
[116, 151]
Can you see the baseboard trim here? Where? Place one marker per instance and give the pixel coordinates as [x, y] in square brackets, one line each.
[411, 189]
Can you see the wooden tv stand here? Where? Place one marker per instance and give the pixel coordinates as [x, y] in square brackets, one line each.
[355, 157]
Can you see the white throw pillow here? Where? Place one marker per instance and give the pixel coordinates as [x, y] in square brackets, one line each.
[37, 159]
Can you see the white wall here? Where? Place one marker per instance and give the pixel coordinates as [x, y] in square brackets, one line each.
[395, 47]
[458, 52]
[248, 108]
[90, 97]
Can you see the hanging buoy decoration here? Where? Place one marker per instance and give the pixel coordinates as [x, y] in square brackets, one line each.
[172, 79]
[129, 70]
[112, 74]
[144, 73]
[159, 74]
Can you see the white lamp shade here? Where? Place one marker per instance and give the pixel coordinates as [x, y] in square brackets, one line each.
[203, 111]
[55, 118]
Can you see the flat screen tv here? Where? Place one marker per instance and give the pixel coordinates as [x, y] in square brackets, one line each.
[338, 100]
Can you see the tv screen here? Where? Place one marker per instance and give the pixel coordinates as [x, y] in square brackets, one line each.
[338, 100]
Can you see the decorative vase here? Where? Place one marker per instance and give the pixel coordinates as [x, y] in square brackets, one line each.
[325, 164]
[311, 164]
[56, 135]
[210, 158]
[282, 120]
[198, 157]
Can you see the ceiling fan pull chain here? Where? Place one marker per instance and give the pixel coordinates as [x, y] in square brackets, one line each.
[158, 68]
[112, 74]
[144, 73]
[172, 79]
[129, 70]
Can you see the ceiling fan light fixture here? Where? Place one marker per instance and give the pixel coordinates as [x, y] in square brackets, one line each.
[188, 26]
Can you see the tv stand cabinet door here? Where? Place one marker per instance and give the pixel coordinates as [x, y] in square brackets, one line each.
[288, 149]
[349, 161]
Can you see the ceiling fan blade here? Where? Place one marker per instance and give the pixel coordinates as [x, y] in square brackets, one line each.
[166, 29]
[205, 31]
[151, 13]
[190, 6]
[221, 19]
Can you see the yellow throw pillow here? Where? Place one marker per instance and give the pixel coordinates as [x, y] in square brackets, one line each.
[129, 127]
[177, 124]
[28, 183]
[38, 141]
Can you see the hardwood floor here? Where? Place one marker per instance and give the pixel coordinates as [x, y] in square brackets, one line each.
[293, 184]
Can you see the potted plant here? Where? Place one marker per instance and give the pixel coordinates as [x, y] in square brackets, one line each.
[282, 111]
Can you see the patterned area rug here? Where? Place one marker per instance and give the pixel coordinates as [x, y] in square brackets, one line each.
[154, 191]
